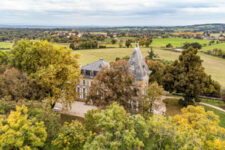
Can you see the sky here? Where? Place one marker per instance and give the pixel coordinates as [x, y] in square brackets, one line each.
[111, 12]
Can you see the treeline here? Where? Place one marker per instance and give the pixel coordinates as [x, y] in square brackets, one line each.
[111, 128]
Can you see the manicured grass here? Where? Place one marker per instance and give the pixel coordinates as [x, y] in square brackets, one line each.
[172, 106]
[214, 66]
[6, 45]
[217, 112]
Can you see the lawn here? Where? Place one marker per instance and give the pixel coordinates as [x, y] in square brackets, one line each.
[6, 45]
[218, 113]
[214, 66]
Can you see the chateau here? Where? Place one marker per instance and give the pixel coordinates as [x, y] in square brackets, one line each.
[138, 67]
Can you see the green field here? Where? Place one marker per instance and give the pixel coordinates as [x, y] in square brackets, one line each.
[211, 47]
[6, 45]
[214, 66]
[176, 42]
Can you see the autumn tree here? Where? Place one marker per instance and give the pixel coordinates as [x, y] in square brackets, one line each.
[114, 84]
[193, 129]
[71, 136]
[142, 42]
[15, 85]
[19, 132]
[55, 69]
[116, 129]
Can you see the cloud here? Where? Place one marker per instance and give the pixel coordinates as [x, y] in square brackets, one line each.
[111, 12]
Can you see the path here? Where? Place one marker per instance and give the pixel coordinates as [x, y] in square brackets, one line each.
[78, 109]
[218, 108]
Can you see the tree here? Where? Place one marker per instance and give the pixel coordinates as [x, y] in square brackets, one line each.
[128, 43]
[114, 84]
[157, 73]
[169, 45]
[54, 69]
[50, 118]
[20, 132]
[113, 41]
[71, 136]
[193, 129]
[154, 92]
[148, 42]
[194, 45]
[115, 129]
[151, 54]
[15, 85]
[142, 42]
[187, 76]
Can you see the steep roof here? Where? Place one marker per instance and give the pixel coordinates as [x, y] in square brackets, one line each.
[137, 65]
[95, 66]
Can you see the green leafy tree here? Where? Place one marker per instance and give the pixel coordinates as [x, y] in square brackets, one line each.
[128, 43]
[169, 45]
[55, 69]
[71, 136]
[154, 93]
[113, 41]
[187, 76]
[117, 130]
[157, 73]
[19, 132]
[151, 54]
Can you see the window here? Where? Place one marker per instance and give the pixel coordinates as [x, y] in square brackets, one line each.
[84, 93]
[83, 82]
[78, 89]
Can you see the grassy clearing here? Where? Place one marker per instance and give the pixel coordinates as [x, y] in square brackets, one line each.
[6, 45]
[217, 112]
[214, 66]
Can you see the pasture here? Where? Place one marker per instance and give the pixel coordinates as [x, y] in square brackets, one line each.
[214, 66]
[176, 42]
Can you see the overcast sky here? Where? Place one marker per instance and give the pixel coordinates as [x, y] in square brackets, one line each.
[111, 12]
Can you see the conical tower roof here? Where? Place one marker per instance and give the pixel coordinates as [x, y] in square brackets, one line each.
[138, 66]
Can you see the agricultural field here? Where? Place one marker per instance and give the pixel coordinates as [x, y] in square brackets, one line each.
[211, 47]
[6, 45]
[213, 65]
[176, 42]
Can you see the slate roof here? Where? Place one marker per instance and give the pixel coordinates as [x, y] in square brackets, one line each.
[95, 66]
[138, 66]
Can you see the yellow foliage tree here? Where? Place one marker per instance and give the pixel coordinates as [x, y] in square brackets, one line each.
[19, 132]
